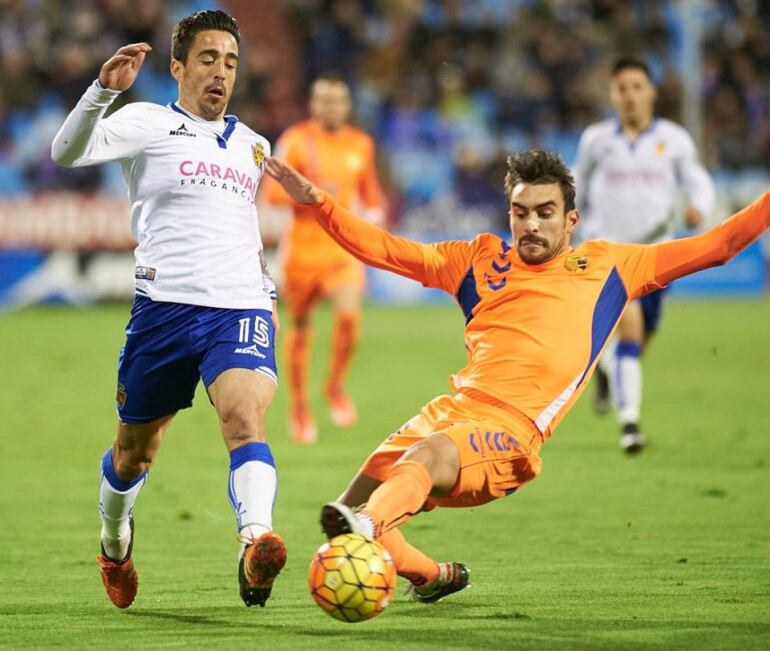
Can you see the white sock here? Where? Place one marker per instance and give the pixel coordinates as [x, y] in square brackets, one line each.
[626, 382]
[116, 503]
[251, 490]
[607, 360]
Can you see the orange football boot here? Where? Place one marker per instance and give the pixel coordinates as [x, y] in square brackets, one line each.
[341, 408]
[119, 577]
[302, 426]
[262, 561]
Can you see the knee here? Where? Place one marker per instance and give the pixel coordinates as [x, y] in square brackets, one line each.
[132, 462]
[242, 425]
[440, 457]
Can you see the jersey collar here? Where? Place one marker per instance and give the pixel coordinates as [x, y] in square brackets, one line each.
[632, 143]
[230, 122]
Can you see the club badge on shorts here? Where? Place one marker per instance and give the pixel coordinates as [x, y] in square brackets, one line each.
[121, 395]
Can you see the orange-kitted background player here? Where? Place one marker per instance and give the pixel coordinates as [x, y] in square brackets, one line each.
[339, 158]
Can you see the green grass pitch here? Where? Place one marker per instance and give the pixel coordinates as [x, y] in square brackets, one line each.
[670, 550]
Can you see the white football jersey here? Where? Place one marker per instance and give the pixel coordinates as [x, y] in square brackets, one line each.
[191, 186]
[629, 191]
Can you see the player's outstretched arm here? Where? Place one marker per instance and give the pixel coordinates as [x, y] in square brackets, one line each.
[367, 242]
[82, 139]
[716, 246]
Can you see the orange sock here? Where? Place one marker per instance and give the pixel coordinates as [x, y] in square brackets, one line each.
[297, 358]
[400, 497]
[344, 339]
[410, 562]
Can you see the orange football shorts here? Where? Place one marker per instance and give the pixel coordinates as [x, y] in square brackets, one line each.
[498, 447]
[304, 285]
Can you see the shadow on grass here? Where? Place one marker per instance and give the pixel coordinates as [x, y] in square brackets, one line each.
[513, 628]
[201, 620]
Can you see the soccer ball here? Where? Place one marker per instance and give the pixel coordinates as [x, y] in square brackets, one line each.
[352, 578]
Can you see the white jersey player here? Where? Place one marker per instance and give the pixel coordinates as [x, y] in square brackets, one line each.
[631, 173]
[204, 300]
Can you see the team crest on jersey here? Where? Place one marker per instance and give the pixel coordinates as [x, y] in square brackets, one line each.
[576, 263]
[258, 151]
[660, 148]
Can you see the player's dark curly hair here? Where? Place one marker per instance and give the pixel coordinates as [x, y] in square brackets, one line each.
[186, 29]
[537, 166]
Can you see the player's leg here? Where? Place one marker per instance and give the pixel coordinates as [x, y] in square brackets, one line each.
[297, 350]
[241, 382]
[429, 467]
[241, 398]
[411, 563]
[299, 295]
[157, 374]
[602, 394]
[124, 471]
[626, 377]
[346, 302]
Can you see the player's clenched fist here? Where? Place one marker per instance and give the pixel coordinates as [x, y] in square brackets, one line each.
[120, 70]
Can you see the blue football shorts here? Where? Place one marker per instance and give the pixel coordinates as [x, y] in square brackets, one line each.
[170, 346]
[652, 306]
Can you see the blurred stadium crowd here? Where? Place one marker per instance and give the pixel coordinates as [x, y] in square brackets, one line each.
[446, 87]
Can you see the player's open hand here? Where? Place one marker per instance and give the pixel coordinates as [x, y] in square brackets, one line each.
[297, 186]
[120, 70]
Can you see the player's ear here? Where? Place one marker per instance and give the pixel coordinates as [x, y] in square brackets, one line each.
[573, 217]
[177, 69]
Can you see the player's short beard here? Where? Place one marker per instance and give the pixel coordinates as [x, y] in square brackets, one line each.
[547, 254]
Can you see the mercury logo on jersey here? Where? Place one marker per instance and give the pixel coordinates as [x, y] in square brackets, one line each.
[181, 131]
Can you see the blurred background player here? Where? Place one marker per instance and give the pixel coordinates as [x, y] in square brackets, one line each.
[630, 173]
[339, 158]
[204, 302]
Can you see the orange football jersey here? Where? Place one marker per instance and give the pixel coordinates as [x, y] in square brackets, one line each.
[341, 162]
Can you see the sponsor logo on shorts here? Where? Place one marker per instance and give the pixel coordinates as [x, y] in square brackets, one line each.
[250, 350]
[145, 273]
[492, 441]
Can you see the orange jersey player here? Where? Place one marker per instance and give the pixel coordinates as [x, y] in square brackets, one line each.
[538, 315]
[340, 159]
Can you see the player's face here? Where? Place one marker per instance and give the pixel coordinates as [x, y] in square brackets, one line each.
[330, 103]
[207, 78]
[541, 229]
[633, 96]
